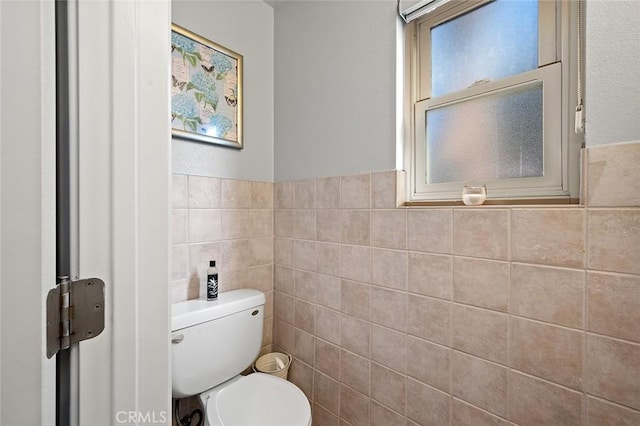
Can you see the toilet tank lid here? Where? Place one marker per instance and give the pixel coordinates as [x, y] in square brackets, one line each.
[196, 311]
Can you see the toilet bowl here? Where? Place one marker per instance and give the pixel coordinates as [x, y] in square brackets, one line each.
[212, 342]
[256, 399]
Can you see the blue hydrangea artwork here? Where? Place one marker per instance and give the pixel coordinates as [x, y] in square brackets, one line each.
[206, 90]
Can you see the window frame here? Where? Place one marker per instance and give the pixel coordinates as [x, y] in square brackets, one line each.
[556, 71]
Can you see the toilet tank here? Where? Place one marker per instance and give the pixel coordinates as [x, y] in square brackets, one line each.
[213, 341]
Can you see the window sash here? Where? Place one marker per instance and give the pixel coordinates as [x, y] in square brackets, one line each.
[549, 185]
[548, 42]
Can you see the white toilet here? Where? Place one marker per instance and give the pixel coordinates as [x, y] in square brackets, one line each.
[212, 342]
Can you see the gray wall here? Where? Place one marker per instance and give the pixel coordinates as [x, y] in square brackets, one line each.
[612, 93]
[335, 83]
[247, 28]
[334, 88]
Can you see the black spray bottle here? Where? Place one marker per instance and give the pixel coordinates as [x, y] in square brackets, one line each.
[212, 281]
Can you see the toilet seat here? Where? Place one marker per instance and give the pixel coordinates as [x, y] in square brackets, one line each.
[258, 399]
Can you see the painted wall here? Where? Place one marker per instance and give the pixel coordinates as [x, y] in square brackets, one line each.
[335, 83]
[612, 93]
[335, 88]
[247, 28]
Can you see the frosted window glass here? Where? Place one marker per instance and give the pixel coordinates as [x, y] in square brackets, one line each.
[494, 41]
[497, 136]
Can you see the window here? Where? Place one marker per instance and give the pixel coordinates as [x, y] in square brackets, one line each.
[492, 102]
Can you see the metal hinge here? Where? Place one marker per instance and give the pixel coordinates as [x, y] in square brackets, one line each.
[75, 312]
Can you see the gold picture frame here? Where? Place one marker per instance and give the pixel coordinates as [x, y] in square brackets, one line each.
[206, 90]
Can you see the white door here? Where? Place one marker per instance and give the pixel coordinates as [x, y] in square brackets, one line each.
[123, 176]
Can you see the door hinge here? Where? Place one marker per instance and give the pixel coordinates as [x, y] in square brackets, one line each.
[75, 312]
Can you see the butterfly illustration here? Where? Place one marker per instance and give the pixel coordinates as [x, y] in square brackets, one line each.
[231, 101]
[179, 84]
[209, 70]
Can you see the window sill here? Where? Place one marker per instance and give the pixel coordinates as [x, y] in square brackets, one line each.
[536, 202]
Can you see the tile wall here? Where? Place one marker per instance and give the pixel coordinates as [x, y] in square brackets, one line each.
[230, 221]
[439, 316]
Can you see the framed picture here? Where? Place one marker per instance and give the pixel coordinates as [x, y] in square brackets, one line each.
[206, 90]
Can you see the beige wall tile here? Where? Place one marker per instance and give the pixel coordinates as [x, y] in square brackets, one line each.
[426, 405]
[429, 363]
[304, 346]
[480, 332]
[548, 236]
[284, 279]
[560, 348]
[429, 319]
[356, 299]
[301, 375]
[304, 254]
[464, 414]
[534, 402]
[355, 191]
[355, 371]
[305, 194]
[328, 290]
[267, 332]
[328, 193]
[204, 225]
[613, 175]
[199, 256]
[323, 417]
[305, 285]
[389, 308]
[235, 224]
[548, 294]
[236, 194]
[604, 413]
[480, 383]
[383, 190]
[284, 307]
[262, 195]
[284, 335]
[260, 251]
[305, 225]
[179, 226]
[389, 229]
[285, 223]
[355, 263]
[356, 335]
[268, 304]
[260, 278]
[356, 225]
[328, 359]
[179, 262]
[429, 230]
[283, 197]
[284, 251]
[328, 324]
[613, 370]
[232, 280]
[389, 268]
[388, 387]
[326, 392]
[354, 407]
[613, 237]
[183, 290]
[328, 225]
[260, 223]
[430, 274]
[480, 282]
[328, 258]
[481, 233]
[305, 316]
[235, 255]
[204, 192]
[614, 305]
[179, 191]
[382, 416]
[389, 348]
